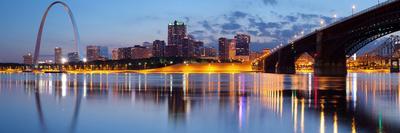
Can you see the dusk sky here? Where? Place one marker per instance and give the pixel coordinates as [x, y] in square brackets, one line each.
[119, 23]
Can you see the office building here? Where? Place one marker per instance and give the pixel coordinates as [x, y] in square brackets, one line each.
[141, 52]
[176, 33]
[242, 45]
[73, 57]
[57, 55]
[158, 48]
[28, 59]
[115, 54]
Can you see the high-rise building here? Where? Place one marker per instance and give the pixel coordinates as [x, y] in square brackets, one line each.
[232, 49]
[57, 55]
[141, 52]
[208, 52]
[198, 45]
[73, 57]
[242, 45]
[222, 48]
[115, 54]
[94, 53]
[171, 51]
[158, 48]
[226, 48]
[125, 53]
[176, 33]
[28, 59]
[186, 48]
[104, 53]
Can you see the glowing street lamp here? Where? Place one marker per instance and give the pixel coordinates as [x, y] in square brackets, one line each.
[64, 60]
[335, 16]
[352, 9]
[84, 60]
[322, 22]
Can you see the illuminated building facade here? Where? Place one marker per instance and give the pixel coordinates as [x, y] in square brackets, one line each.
[176, 33]
[73, 57]
[28, 59]
[57, 55]
[94, 53]
[141, 52]
[158, 48]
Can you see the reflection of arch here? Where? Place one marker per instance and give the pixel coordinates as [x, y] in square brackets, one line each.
[39, 35]
[41, 114]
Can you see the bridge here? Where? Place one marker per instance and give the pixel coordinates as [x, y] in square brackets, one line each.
[330, 46]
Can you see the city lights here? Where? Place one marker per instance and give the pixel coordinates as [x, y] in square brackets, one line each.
[63, 60]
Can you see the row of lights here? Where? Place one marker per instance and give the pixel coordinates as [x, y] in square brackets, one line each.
[65, 60]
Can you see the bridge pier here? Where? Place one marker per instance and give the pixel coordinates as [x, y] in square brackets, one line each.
[286, 63]
[331, 68]
[330, 60]
[270, 67]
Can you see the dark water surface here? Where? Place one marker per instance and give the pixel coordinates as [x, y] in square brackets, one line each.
[198, 103]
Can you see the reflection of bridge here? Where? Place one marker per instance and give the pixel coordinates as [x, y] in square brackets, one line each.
[330, 46]
[39, 36]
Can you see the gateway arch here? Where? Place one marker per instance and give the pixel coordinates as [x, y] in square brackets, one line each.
[39, 35]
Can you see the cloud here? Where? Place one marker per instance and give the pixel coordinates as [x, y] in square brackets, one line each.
[270, 2]
[230, 26]
[264, 31]
[239, 14]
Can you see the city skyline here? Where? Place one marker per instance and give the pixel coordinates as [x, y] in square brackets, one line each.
[204, 25]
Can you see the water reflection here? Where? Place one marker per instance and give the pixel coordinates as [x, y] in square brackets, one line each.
[232, 102]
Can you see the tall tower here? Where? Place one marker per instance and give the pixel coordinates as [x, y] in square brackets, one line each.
[28, 59]
[158, 48]
[92, 53]
[242, 45]
[176, 33]
[57, 55]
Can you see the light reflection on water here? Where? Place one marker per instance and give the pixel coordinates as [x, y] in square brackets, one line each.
[241, 102]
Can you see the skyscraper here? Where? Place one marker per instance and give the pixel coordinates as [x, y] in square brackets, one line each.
[176, 33]
[222, 48]
[94, 53]
[158, 48]
[28, 59]
[115, 54]
[57, 55]
[104, 53]
[125, 53]
[226, 48]
[242, 45]
[141, 52]
[73, 57]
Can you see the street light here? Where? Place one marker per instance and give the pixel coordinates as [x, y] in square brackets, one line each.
[352, 9]
[64, 60]
[334, 16]
[84, 63]
[322, 22]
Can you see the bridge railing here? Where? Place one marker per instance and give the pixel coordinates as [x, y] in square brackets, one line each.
[342, 20]
[350, 17]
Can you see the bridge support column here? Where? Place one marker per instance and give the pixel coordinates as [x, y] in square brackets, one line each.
[286, 62]
[269, 66]
[330, 60]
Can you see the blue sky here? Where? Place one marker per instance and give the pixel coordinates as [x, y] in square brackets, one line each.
[118, 23]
